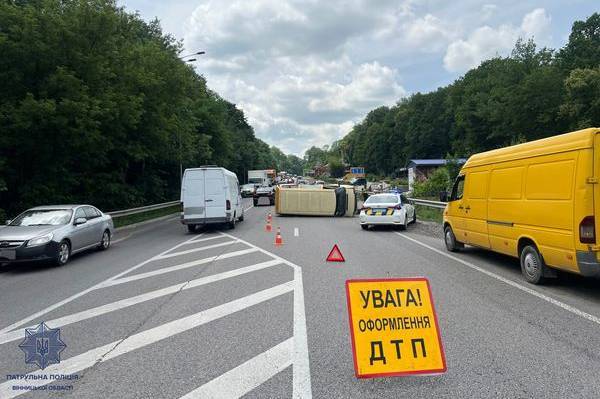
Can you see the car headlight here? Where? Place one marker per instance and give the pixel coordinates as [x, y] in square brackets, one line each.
[40, 240]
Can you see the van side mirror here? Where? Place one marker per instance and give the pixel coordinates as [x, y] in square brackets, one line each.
[79, 221]
[444, 196]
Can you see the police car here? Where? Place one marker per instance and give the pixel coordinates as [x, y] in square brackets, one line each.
[387, 209]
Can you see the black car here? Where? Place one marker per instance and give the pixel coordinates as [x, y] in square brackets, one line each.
[264, 192]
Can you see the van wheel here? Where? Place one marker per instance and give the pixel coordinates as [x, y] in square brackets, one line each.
[414, 219]
[191, 228]
[364, 226]
[241, 219]
[450, 239]
[532, 265]
[231, 224]
[255, 201]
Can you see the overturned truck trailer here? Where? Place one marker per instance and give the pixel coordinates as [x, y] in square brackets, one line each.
[339, 201]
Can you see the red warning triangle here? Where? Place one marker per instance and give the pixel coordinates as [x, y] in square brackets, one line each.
[335, 255]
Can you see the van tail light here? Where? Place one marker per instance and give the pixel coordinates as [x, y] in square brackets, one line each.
[228, 205]
[587, 230]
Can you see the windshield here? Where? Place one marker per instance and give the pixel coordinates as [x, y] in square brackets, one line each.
[382, 199]
[46, 217]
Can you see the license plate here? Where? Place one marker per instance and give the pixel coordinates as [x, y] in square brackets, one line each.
[378, 211]
[9, 254]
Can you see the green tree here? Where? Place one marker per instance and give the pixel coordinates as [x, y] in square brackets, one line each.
[582, 103]
[583, 48]
[96, 107]
[531, 94]
[336, 168]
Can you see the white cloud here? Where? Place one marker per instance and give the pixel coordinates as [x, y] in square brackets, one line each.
[371, 85]
[304, 71]
[286, 63]
[537, 24]
[486, 42]
[429, 33]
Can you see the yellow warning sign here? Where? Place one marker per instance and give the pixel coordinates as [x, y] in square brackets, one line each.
[394, 328]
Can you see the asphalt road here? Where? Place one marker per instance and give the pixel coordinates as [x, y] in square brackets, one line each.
[224, 313]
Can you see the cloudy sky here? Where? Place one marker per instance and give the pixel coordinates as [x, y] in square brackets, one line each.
[305, 71]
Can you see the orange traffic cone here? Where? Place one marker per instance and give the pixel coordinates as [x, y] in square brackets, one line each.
[278, 239]
[269, 217]
[268, 226]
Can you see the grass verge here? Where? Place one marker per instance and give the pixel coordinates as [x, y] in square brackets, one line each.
[429, 214]
[141, 217]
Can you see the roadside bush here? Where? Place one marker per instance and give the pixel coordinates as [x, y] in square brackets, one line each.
[438, 181]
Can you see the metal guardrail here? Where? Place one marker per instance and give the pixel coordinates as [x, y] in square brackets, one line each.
[133, 211]
[431, 204]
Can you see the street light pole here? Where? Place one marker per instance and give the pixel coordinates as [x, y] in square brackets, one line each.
[190, 55]
[179, 133]
[180, 163]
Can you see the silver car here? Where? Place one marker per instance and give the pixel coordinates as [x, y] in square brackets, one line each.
[54, 233]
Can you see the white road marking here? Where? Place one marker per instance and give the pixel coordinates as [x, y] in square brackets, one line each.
[127, 302]
[87, 359]
[189, 251]
[296, 232]
[81, 293]
[175, 268]
[244, 378]
[514, 284]
[301, 371]
[213, 237]
[121, 239]
[250, 207]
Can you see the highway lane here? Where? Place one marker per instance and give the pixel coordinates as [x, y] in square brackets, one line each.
[500, 341]
[28, 287]
[189, 324]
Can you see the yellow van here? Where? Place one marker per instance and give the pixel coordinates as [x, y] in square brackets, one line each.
[535, 201]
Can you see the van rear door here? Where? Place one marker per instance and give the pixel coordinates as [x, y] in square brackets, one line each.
[215, 186]
[596, 193]
[192, 195]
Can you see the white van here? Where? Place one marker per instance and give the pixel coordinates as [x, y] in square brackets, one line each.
[209, 195]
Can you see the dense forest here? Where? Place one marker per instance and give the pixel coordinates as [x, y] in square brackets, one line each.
[532, 93]
[96, 107]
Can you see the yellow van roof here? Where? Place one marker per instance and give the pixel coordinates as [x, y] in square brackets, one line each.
[550, 145]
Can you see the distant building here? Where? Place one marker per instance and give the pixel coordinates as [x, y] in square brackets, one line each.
[421, 169]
